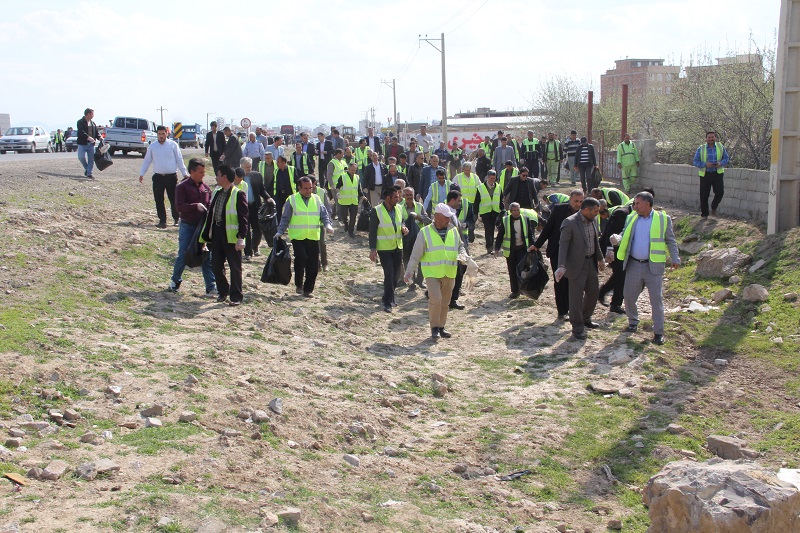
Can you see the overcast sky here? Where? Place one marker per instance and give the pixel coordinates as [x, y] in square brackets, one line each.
[313, 62]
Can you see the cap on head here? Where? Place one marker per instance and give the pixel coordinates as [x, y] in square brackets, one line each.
[444, 209]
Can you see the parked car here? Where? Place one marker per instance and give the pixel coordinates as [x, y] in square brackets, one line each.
[71, 144]
[25, 139]
[130, 134]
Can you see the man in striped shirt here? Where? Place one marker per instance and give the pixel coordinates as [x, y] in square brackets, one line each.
[570, 147]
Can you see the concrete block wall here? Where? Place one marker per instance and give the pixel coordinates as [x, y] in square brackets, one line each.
[746, 190]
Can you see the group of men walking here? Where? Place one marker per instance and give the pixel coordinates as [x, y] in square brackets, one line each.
[423, 216]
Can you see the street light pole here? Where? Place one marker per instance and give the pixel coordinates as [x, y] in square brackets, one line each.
[162, 109]
[444, 85]
[207, 115]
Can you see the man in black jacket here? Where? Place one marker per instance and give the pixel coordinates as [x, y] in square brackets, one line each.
[551, 234]
[586, 164]
[255, 193]
[87, 135]
[376, 178]
[522, 190]
[482, 165]
[616, 282]
[215, 145]
[232, 152]
[324, 153]
[226, 243]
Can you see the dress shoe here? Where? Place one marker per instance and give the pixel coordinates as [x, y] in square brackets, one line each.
[161, 225]
[591, 325]
[580, 335]
[456, 305]
[308, 295]
[298, 290]
[602, 300]
[563, 317]
[444, 333]
[632, 328]
[235, 304]
[435, 333]
[513, 295]
[658, 339]
[387, 308]
[222, 297]
[617, 309]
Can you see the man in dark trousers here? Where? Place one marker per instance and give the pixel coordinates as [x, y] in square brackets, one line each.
[324, 153]
[551, 235]
[515, 235]
[87, 135]
[233, 149]
[225, 228]
[255, 193]
[386, 231]
[215, 145]
[586, 164]
[304, 216]
[579, 258]
[616, 282]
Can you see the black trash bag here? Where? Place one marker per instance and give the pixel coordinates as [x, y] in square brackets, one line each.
[102, 157]
[596, 178]
[362, 224]
[278, 269]
[268, 221]
[532, 275]
[196, 253]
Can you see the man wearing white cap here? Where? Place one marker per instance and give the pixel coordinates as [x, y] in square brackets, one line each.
[436, 250]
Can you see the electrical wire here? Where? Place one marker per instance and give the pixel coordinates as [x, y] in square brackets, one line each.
[468, 18]
[453, 16]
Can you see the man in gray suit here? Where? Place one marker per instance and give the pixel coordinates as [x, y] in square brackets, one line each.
[643, 249]
[503, 153]
[579, 258]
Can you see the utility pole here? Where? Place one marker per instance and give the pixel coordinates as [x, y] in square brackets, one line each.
[207, 115]
[394, 101]
[444, 85]
[162, 109]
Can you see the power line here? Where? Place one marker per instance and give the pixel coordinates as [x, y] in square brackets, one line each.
[452, 17]
[468, 18]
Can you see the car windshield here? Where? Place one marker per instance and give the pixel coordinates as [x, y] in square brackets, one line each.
[19, 131]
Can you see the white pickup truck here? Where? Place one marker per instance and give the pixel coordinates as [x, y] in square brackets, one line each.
[130, 134]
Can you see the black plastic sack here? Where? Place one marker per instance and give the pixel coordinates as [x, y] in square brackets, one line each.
[196, 253]
[278, 269]
[532, 275]
[267, 221]
[102, 158]
[362, 224]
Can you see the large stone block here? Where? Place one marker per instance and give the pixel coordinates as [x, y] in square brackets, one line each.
[720, 263]
[720, 497]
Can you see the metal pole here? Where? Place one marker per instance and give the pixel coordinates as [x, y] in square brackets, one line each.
[624, 111]
[162, 113]
[444, 98]
[394, 103]
[591, 113]
[207, 115]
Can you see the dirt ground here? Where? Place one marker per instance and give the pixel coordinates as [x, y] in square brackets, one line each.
[85, 268]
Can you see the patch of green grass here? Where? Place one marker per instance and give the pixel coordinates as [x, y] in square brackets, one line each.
[151, 441]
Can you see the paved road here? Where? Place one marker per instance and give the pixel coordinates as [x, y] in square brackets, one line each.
[13, 156]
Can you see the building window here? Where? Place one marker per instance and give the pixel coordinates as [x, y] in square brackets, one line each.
[659, 76]
[668, 90]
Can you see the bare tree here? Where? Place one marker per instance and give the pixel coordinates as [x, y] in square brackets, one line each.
[563, 102]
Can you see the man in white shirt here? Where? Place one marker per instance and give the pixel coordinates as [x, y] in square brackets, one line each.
[425, 141]
[373, 143]
[165, 156]
[376, 177]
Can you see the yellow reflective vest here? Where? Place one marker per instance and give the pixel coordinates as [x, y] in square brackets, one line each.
[390, 234]
[440, 259]
[658, 232]
[305, 221]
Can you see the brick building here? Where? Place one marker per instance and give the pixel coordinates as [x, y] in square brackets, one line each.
[641, 76]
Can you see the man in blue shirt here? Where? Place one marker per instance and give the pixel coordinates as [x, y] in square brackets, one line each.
[711, 158]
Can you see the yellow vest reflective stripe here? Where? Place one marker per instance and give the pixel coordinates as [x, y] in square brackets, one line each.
[440, 259]
[390, 235]
[468, 185]
[530, 214]
[530, 146]
[304, 157]
[462, 215]
[348, 194]
[338, 170]
[507, 233]
[625, 150]
[502, 178]
[704, 157]
[435, 192]
[305, 221]
[489, 203]
[291, 180]
[362, 157]
[608, 190]
[418, 207]
[658, 231]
